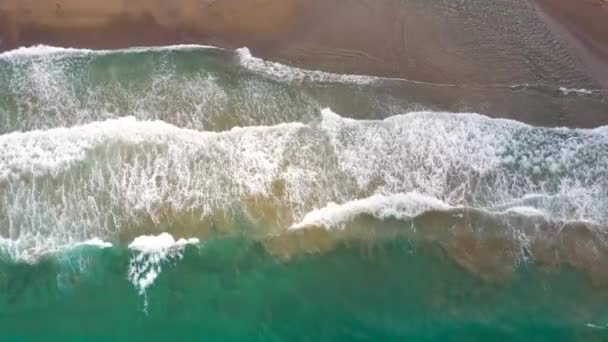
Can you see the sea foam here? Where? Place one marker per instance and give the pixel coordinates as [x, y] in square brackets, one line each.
[149, 254]
[284, 72]
[398, 206]
[65, 185]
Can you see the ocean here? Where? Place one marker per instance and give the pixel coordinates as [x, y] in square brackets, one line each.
[196, 193]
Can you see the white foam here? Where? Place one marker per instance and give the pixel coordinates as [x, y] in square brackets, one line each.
[397, 206]
[422, 151]
[328, 115]
[526, 211]
[41, 50]
[46, 50]
[65, 185]
[54, 92]
[50, 151]
[150, 252]
[159, 243]
[568, 91]
[270, 69]
[400, 207]
[96, 242]
[48, 92]
[287, 73]
[47, 220]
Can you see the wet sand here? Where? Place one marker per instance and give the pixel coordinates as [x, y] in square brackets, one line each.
[584, 25]
[471, 43]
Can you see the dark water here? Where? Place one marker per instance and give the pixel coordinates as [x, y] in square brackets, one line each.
[198, 193]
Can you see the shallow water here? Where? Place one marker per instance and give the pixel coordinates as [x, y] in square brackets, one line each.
[195, 192]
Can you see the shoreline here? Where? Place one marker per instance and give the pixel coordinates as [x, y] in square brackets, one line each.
[382, 38]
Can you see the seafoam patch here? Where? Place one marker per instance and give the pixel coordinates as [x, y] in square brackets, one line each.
[568, 91]
[149, 253]
[380, 206]
[47, 51]
[95, 242]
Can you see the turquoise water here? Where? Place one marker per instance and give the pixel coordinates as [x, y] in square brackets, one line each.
[197, 193]
[232, 289]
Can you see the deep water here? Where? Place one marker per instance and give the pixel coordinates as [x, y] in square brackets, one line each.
[232, 289]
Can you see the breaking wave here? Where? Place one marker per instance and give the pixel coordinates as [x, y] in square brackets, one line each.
[121, 178]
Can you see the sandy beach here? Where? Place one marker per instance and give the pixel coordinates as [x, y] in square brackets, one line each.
[435, 42]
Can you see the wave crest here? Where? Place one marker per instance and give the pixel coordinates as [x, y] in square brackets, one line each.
[122, 178]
